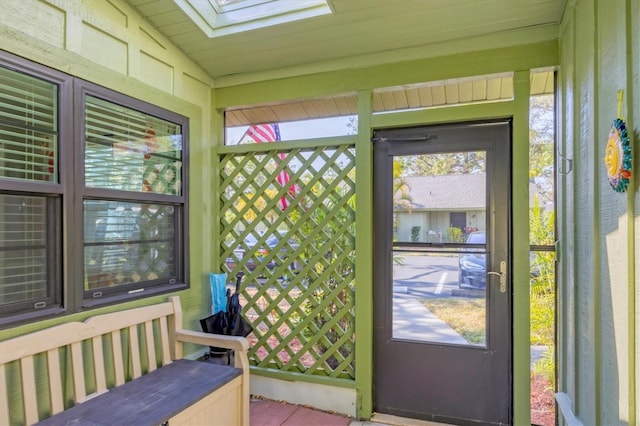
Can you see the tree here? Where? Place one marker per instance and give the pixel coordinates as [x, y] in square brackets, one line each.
[401, 189]
[542, 230]
[454, 163]
[541, 145]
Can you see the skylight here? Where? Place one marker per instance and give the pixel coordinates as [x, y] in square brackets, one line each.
[224, 2]
[223, 17]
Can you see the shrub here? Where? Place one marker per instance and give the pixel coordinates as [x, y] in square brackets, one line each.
[454, 235]
[415, 234]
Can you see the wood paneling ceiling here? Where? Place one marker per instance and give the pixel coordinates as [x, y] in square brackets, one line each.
[357, 33]
[491, 88]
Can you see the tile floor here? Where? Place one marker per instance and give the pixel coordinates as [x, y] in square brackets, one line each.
[266, 412]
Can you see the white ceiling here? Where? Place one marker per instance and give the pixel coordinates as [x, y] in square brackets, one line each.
[359, 32]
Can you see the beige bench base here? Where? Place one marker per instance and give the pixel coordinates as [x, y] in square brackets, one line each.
[183, 392]
[112, 354]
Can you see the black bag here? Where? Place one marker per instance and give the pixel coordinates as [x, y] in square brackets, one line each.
[230, 323]
[216, 324]
[236, 324]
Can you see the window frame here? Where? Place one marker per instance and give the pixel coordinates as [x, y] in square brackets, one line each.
[53, 192]
[82, 89]
[66, 194]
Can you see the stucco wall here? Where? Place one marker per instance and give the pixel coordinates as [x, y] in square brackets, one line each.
[597, 359]
[433, 225]
[108, 43]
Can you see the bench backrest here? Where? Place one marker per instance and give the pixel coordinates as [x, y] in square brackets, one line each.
[44, 372]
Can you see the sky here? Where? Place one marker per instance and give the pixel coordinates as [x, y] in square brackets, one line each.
[304, 129]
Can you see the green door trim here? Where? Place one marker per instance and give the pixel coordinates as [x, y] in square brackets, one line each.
[364, 256]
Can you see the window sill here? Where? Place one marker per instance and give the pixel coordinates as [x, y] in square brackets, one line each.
[124, 297]
[31, 317]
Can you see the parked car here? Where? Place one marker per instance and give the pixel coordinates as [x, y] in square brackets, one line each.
[284, 252]
[256, 254]
[473, 266]
[248, 247]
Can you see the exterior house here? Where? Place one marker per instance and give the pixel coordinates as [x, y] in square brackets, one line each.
[117, 188]
[450, 201]
[442, 202]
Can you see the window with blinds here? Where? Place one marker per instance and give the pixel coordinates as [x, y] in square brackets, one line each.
[23, 249]
[131, 246]
[28, 153]
[28, 127]
[93, 200]
[132, 151]
[127, 243]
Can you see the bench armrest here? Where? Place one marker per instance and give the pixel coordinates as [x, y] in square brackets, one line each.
[241, 347]
[236, 343]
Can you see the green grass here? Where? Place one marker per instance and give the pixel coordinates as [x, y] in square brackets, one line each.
[465, 316]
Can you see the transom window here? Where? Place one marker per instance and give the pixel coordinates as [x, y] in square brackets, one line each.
[74, 153]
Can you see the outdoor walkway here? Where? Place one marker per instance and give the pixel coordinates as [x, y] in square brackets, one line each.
[411, 320]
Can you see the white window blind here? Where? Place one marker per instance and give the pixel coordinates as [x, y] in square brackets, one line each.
[28, 152]
[130, 150]
[28, 127]
[127, 244]
[23, 249]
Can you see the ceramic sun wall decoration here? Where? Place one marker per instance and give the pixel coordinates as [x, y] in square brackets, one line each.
[617, 158]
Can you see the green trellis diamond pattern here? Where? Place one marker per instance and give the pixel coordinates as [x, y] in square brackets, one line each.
[294, 241]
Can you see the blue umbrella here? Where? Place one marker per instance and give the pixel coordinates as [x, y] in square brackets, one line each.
[217, 322]
[218, 292]
[226, 317]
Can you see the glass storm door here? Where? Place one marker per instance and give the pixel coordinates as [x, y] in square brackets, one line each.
[442, 296]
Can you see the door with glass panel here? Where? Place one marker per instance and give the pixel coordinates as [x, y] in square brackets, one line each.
[442, 289]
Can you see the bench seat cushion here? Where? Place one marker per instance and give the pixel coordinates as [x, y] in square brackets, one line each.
[151, 399]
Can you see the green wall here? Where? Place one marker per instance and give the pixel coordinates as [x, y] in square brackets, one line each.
[599, 56]
[108, 43]
[364, 80]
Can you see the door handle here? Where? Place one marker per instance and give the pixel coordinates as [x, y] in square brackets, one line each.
[503, 276]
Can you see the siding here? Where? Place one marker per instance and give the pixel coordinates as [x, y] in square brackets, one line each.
[108, 43]
[597, 316]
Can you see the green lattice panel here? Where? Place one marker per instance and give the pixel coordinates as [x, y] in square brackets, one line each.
[161, 177]
[297, 256]
[138, 246]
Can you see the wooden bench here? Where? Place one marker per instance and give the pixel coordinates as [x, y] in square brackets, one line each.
[122, 368]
